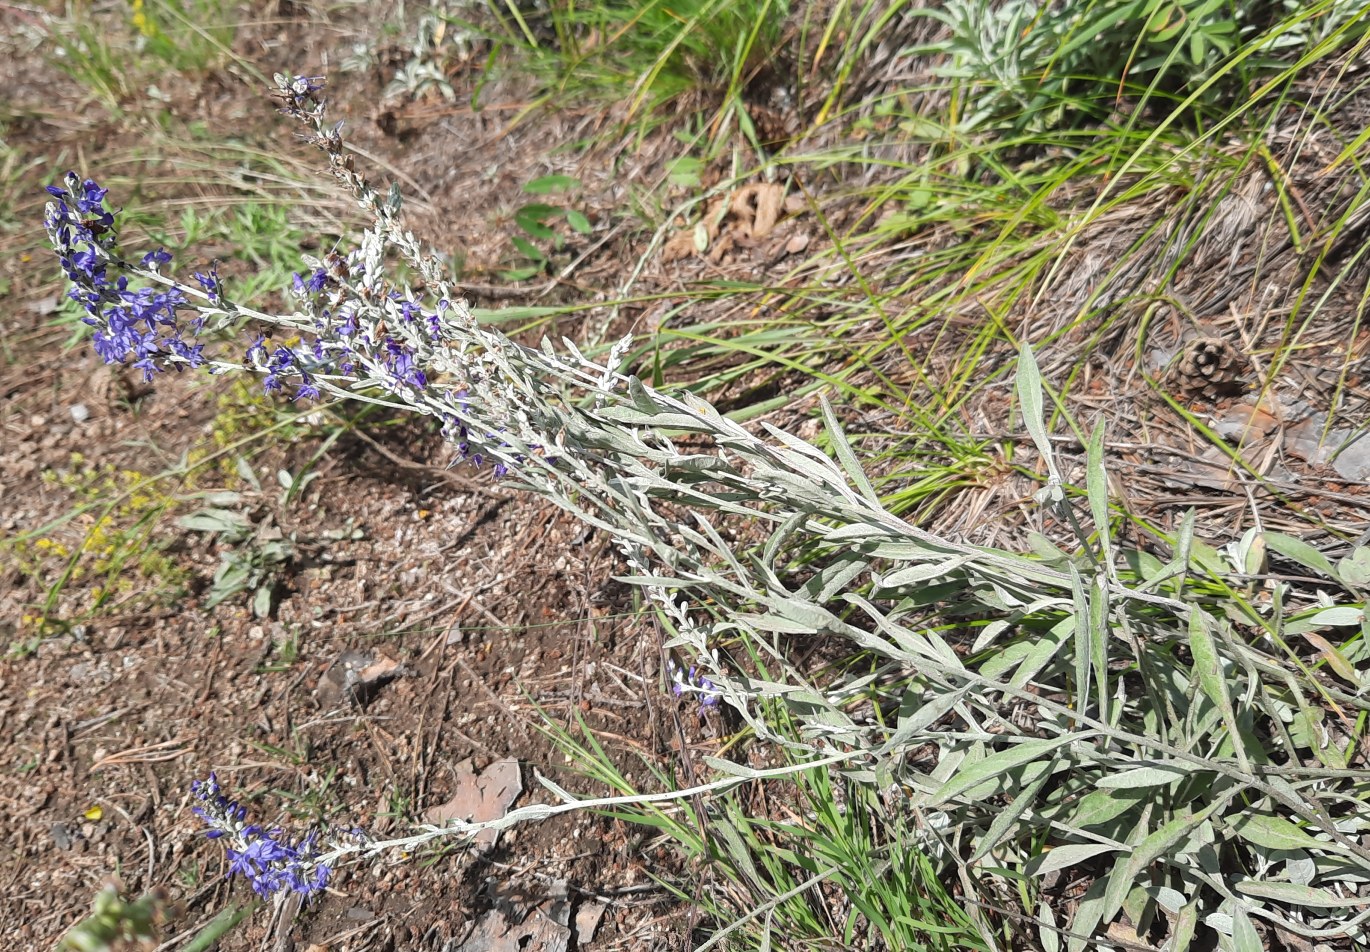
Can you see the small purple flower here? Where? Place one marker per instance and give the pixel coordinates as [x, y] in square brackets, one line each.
[399, 360]
[298, 94]
[693, 682]
[256, 351]
[210, 282]
[308, 389]
[154, 260]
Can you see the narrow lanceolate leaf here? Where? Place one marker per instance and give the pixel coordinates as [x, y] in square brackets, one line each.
[845, 456]
[1099, 634]
[1096, 487]
[1276, 833]
[995, 765]
[1006, 821]
[1099, 807]
[1245, 938]
[1334, 658]
[1082, 639]
[1088, 915]
[920, 719]
[1186, 923]
[1152, 775]
[1029, 386]
[1296, 895]
[1063, 857]
[1325, 618]
[1208, 672]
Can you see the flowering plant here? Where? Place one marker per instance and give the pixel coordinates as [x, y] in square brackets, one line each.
[1067, 687]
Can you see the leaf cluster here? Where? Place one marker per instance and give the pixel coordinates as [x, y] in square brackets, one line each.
[1027, 65]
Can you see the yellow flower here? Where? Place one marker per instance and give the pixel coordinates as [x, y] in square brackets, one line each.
[143, 22]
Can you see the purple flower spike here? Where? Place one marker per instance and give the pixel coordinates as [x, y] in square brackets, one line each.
[267, 859]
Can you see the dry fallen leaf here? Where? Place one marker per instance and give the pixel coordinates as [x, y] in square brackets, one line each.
[757, 208]
[1243, 422]
[750, 212]
[516, 927]
[1334, 658]
[537, 933]
[479, 799]
[382, 669]
[680, 245]
[588, 918]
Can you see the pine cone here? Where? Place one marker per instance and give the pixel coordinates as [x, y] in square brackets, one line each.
[1211, 367]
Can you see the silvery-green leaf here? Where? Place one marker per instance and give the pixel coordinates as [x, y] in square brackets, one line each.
[1047, 932]
[994, 766]
[1006, 659]
[1155, 845]
[1219, 922]
[1047, 550]
[1088, 916]
[1006, 821]
[1354, 570]
[988, 634]
[836, 578]
[1096, 488]
[783, 534]
[1245, 938]
[1043, 651]
[1169, 899]
[858, 531]
[953, 760]
[244, 470]
[1063, 857]
[1100, 633]
[845, 455]
[923, 573]
[1300, 552]
[1152, 775]
[1182, 932]
[1297, 895]
[1137, 905]
[776, 623]
[1100, 807]
[802, 448]
[1209, 674]
[1337, 615]
[1275, 833]
[1029, 387]
[261, 603]
[1300, 868]
[1249, 552]
[920, 718]
[1081, 609]
[635, 416]
[642, 399]
[213, 520]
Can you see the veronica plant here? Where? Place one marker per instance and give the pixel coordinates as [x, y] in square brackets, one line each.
[1037, 713]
